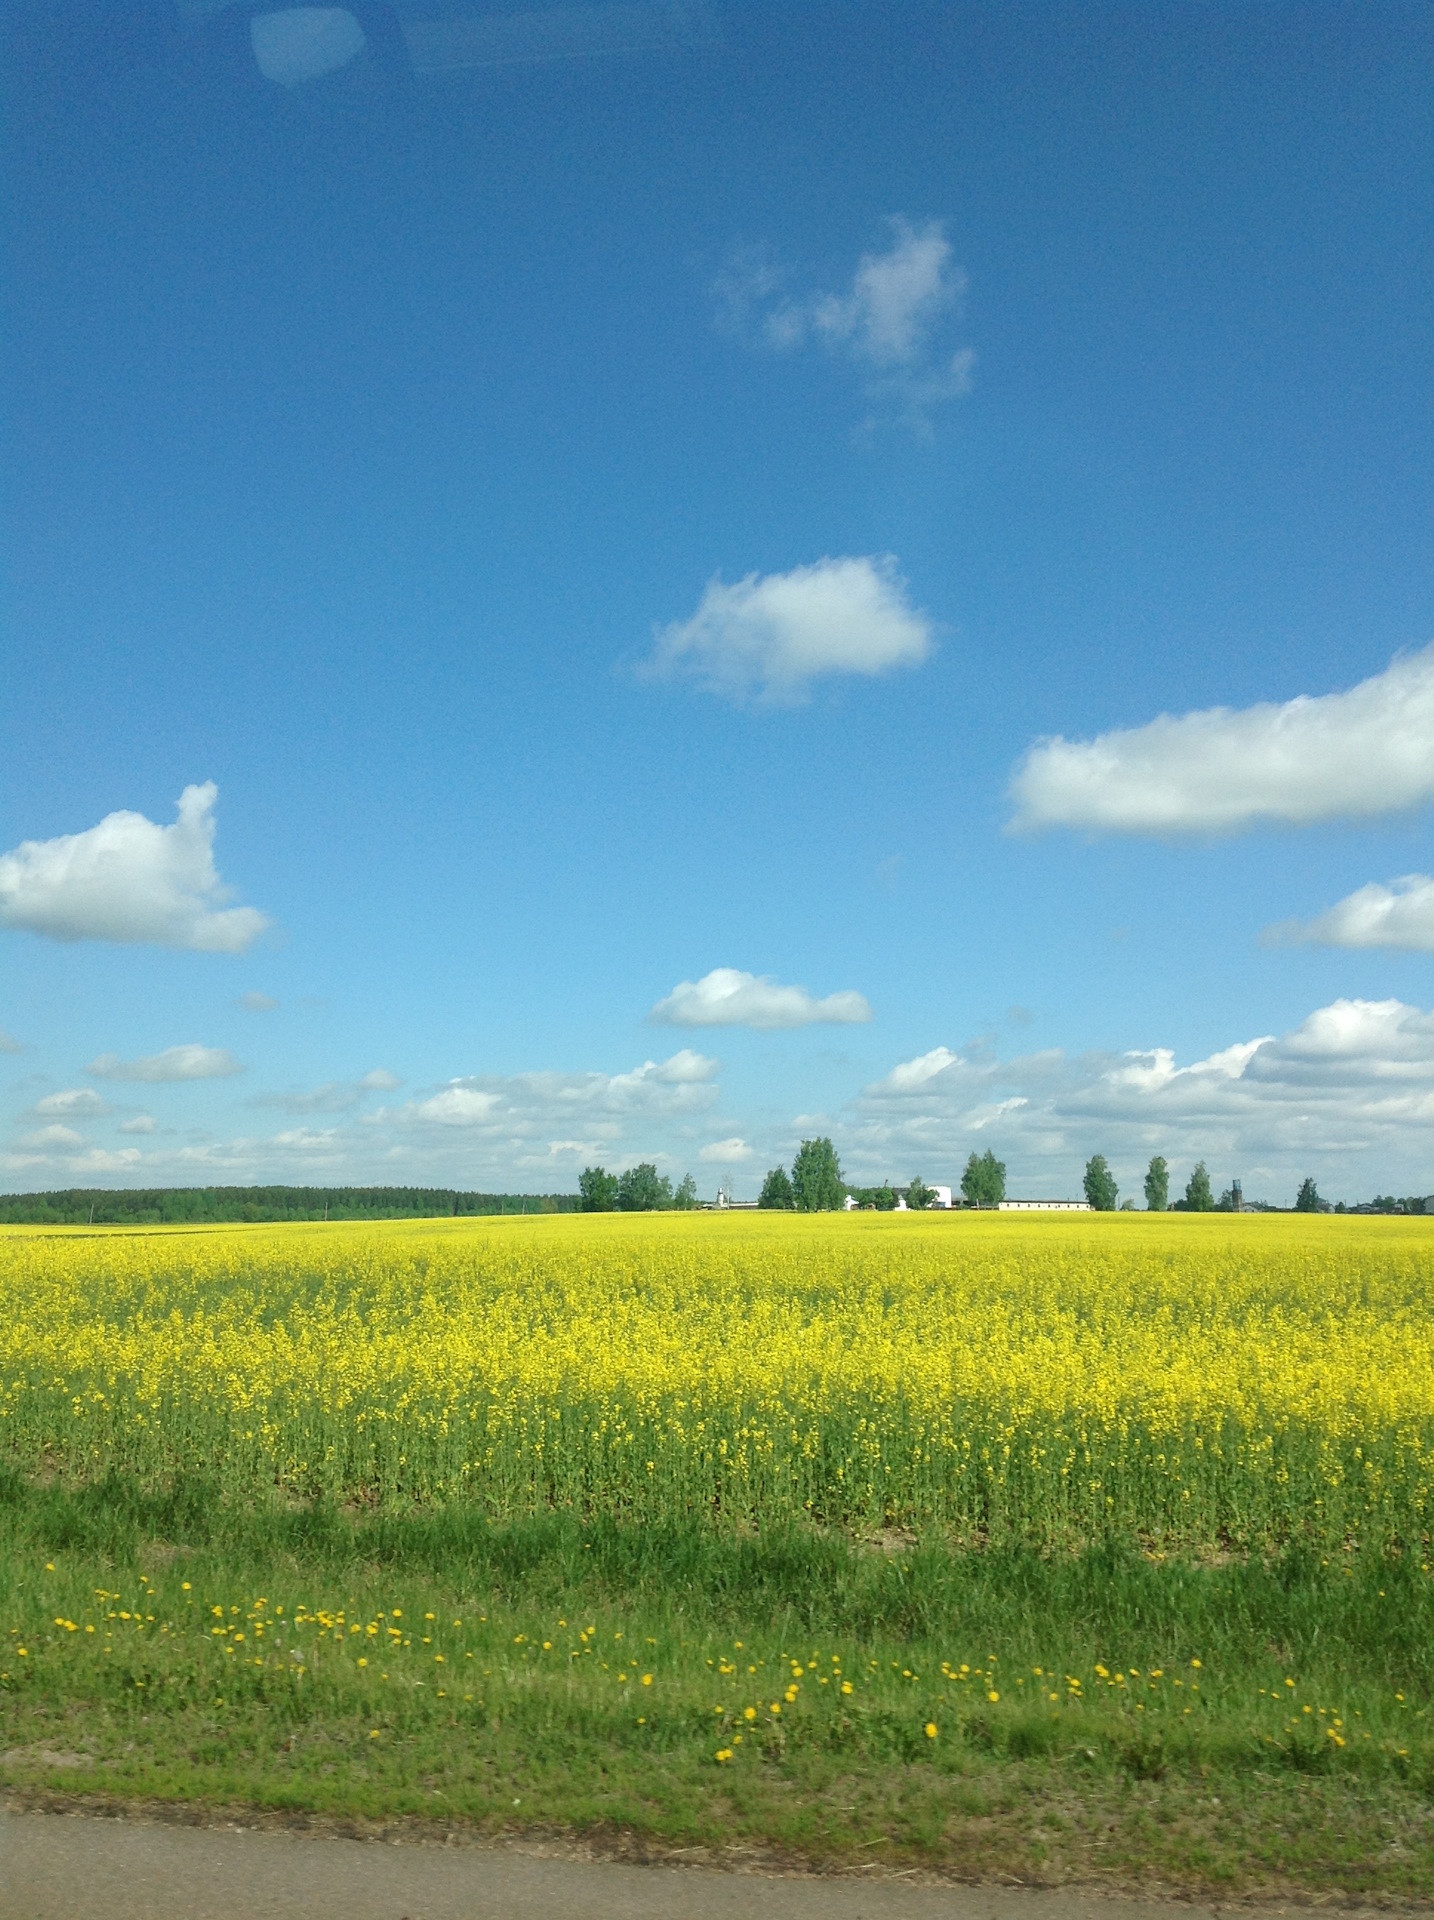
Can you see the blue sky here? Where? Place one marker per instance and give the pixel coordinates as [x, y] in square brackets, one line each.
[601, 521]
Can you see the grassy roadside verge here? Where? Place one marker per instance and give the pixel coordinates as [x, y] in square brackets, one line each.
[1101, 1715]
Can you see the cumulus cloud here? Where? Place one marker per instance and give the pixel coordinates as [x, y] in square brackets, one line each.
[71, 1164]
[189, 1062]
[887, 320]
[769, 636]
[1324, 757]
[458, 1106]
[726, 1151]
[253, 1002]
[309, 1141]
[726, 997]
[74, 1102]
[7, 1043]
[1348, 1094]
[558, 1108]
[496, 1131]
[129, 880]
[55, 1135]
[1399, 915]
[528, 1130]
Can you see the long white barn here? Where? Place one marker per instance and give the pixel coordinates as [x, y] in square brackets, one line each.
[1045, 1206]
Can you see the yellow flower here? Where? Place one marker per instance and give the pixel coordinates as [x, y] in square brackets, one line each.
[930, 1729]
[993, 1695]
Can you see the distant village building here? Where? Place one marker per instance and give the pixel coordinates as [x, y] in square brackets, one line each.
[1045, 1206]
[940, 1197]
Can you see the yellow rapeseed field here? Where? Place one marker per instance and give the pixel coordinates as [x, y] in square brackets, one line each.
[1185, 1378]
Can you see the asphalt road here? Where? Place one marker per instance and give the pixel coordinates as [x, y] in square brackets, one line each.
[77, 1867]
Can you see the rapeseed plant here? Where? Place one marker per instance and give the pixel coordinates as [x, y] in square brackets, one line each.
[1181, 1379]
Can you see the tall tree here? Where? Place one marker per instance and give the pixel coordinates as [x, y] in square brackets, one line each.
[685, 1198]
[642, 1189]
[1100, 1188]
[918, 1194]
[777, 1191]
[816, 1177]
[984, 1181]
[1157, 1185]
[1198, 1197]
[598, 1188]
[1307, 1200]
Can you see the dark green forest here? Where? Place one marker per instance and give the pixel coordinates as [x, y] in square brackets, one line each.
[160, 1206]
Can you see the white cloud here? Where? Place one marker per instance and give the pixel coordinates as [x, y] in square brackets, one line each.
[305, 1140]
[769, 636]
[79, 1102]
[253, 1002]
[129, 880]
[726, 1151]
[7, 1043]
[189, 1062]
[1326, 757]
[1399, 915]
[55, 1135]
[57, 1157]
[726, 997]
[526, 1107]
[458, 1106]
[380, 1080]
[530, 1130]
[1348, 1095]
[886, 321]
[105, 1160]
[894, 300]
[915, 1073]
[141, 1123]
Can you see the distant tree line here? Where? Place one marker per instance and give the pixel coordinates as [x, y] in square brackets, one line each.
[177, 1206]
[1199, 1197]
[816, 1184]
[642, 1189]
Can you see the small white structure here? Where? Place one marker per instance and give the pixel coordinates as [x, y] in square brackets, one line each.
[1045, 1206]
[941, 1197]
